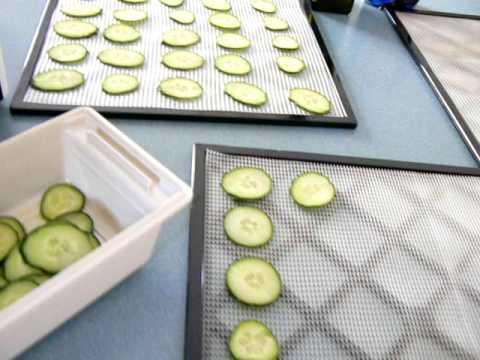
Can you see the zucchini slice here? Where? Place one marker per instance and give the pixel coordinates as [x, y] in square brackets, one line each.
[233, 41]
[311, 101]
[182, 17]
[58, 80]
[275, 23]
[68, 53]
[180, 38]
[16, 268]
[183, 60]
[247, 183]
[61, 199]
[130, 16]
[253, 340]
[134, 1]
[246, 93]
[233, 65]
[312, 190]
[123, 58]
[94, 242]
[8, 240]
[14, 291]
[172, 3]
[217, 5]
[16, 225]
[181, 88]
[248, 226]
[284, 42]
[120, 84]
[264, 6]
[254, 281]
[290, 64]
[75, 29]
[82, 10]
[121, 34]
[224, 21]
[79, 219]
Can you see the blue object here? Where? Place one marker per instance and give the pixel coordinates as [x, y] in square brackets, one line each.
[396, 3]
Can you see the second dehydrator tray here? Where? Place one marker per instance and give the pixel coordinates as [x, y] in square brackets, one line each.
[389, 270]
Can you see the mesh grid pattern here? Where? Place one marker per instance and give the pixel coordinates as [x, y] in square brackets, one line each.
[262, 56]
[390, 270]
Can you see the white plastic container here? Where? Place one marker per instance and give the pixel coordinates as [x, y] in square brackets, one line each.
[129, 196]
[3, 77]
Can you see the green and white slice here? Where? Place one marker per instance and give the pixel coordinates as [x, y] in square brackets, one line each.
[182, 17]
[275, 23]
[217, 5]
[75, 29]
[181, 88]
[246, 93]
[58, 80]
[172, 3]
[130, 16]
[120, 57]
[68, 53]
[82, 10]
[16, 268]
[285, 42]
[264, 6]
[247, 183]
[311, 101]
[8, 240]
[224, 21]
[312, 190]
[248, 226]
[183, 60]
[233, 65]
[16, 225]
[94, 242]
[233, 41]
[81, 220]
[14, 291]
[290, 64]
[253, 340]
[38, 279]
[122, 34]
[180, 38]
[120, 84]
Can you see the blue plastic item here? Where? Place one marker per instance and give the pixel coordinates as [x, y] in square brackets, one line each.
[396, 3]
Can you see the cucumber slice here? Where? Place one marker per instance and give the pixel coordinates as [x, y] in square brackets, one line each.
[75, 29]
[217, 5]
[290, 64]
[58, 80]
[120, 84]
[82, 10]
[130, 16]
[123, 58]
[233, 41]
[274, 23]
[8, 240]
[253, 340]
[180, 38]
[122, 34]
[79, 219]
[61, 199]
[16, 268]
[246, 93]
[183, 17]
[94, 242]
[224, 21]
[38, 279]
[253, 281]
[68, 53]
[183, 60]
[181, 88]
[247, 183]
[284, 42]
[14, 291]
[311, 101]
[233, 65]
[55, 246]
[312, 190]
[134, 1]
[172, 3]
[3, 281]
[264, 6]
[248, 226]
[16, 225]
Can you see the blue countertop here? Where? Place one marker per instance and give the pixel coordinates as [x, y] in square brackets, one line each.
[399, 118]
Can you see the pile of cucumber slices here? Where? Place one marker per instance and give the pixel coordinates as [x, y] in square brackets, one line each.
[27, 260]
[252, 280]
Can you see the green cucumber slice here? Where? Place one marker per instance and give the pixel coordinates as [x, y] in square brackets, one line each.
[246, 93]
[130, 16]
[75, 29]
[181, 88]
[247, 183]
[311, 101]
[224, 21]
[248, 226]
[14, 291]
[38, 279]
[180, 38]
[233, 41]
[81, 10]
[233, 65]
[217, 5]
[172, 3]
[120, 84]
[275, 23]
[94, 242]
[16, 268]
[284, 42]
[183, 60]
[79, 219]
[254, 281]
[290, 64]
[3, 281]
[134, 1]
[16, 225]
[312, 190]
[8, 240]
[68, 53]
[253, 340]
[123, 58]
[183, 17]
[58, 80]
[122, 34]
[61, 199]
[264, 6]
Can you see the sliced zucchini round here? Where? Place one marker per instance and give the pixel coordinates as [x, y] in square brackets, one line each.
[248, 226]
[68, 53]
[233, 65]
[254, 281]
[284, 42]
[253, 340]
[183, 17]
[246, 93]
[8, 240]
[82, 10]
[120, 84]
[181, 88]
[130, 16]
[217, 5]
[311, 101]
[172, 3]
[183, 60]
[16, 268]
[290, 64]
[94, 242]
[75, 29]
[224, 21]
[58, 80]
[247, 183]
[61, 199]
[79, 219]
[123, 58]
[233, 41]
[16, 225]
[275, 23]
[121, 34]
[180, 38]
[264, 6]
[312, 190]
[134, 1]
[14, 291]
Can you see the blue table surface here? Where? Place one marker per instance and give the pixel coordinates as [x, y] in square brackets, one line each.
[399, 118]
